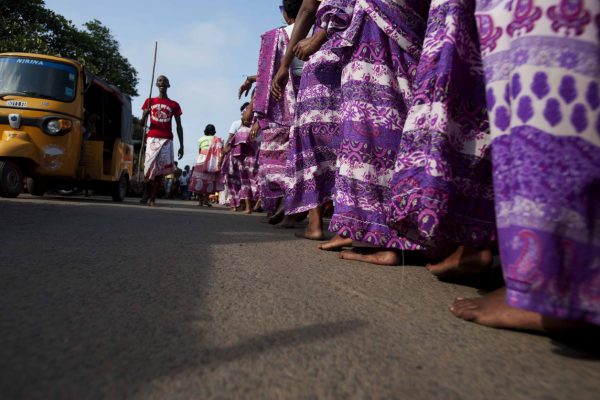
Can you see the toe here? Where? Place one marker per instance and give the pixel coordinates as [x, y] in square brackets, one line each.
[465, 309]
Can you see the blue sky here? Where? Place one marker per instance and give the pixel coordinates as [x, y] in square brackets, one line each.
[204, 47]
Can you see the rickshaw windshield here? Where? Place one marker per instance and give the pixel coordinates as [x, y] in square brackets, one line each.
[37, 78]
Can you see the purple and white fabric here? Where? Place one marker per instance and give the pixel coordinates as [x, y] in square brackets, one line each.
[442, 192]
[541, 60]
[246, 152]
[230, 174]
[381, 39]
[315, 137]
[275, 118]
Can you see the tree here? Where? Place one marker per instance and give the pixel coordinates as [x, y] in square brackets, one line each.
[28, 26]
[99, 51]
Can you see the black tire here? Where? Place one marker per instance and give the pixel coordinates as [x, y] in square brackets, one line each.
[36, 186]
[119, 190]
[11, 179]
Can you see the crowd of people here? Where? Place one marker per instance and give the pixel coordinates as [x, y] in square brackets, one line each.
[454, 129]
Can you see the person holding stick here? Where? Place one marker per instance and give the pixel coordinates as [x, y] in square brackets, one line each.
[159, 156]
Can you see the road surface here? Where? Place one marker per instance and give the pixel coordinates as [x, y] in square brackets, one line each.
[108, 301]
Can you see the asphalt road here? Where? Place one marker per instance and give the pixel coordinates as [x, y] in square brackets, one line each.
[108, 301]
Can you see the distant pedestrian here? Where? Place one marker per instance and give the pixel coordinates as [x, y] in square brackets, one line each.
[159, 157]
[206, 177]
[183, 184]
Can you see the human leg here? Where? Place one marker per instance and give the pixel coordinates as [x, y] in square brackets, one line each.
[546, 161]
[314, 230]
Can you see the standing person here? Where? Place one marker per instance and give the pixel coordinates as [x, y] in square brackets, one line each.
[168, 183]
[246, 151]
[206, 178]
[183, 183]
[159, 156]
[380, 42]
[175, 187]
[442, 196]
[543, 93]
[230, 165]
[230, 178]
[274, 117]
[315, 136]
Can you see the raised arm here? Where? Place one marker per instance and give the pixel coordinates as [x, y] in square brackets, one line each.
[304, 22]
[246, 86]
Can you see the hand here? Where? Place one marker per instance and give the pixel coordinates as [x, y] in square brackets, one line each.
[279, 82]
[306, 48]
[226, 148]
[245, 88]
[254, 130]
[180, 153]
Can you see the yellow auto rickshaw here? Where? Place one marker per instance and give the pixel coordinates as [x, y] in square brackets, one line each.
[61, 128]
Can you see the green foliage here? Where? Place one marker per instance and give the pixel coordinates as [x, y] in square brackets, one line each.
[138, 132]
[28, 26]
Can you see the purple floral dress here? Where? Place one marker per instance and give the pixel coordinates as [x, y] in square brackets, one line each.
[380, 43]
[275, 118]
[315, 137]
[245, 152]
[442, 193]
[230, 175]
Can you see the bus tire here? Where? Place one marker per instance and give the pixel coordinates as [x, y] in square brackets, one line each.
[11, 179]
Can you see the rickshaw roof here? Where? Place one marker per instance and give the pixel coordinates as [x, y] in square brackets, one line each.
[92, 78]
[45, 57]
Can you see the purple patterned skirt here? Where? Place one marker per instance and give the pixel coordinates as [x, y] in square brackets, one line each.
[230, 174]
[245, 152]
[543, 91]
[315, 137]
[271, 171]
[376, 94]
[442, 193]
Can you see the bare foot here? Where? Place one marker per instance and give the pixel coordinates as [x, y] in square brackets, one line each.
[464, 261]
[310, 234]
[289, 222]
[376, 256]
[232, 209]
[151, 203]
[277, 217]
[314, 229]
[336, 243]
[492, 310]
[248, 206]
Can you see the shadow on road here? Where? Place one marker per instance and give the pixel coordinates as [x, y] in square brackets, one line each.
[282, 338]
[101, 301]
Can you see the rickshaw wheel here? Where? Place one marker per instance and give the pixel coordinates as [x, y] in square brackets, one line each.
[120, 189]
[11, 179]
[36, 186]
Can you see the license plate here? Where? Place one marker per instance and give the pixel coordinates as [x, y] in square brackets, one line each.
[16, 103]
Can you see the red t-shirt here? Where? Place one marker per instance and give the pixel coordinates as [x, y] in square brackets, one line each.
[161, 115]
